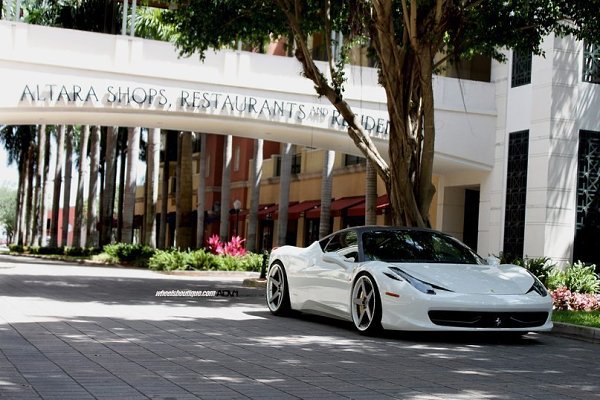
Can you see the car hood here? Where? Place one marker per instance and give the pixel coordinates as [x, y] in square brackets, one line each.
[504, 279]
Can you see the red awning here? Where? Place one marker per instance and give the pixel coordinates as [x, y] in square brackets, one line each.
[337, 206]
[297, 209]
[359, 209]
[265, 210]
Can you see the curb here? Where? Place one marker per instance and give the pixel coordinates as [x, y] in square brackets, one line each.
[578, 332]
[255, 283]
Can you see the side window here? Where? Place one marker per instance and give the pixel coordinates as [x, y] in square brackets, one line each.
[342, 240]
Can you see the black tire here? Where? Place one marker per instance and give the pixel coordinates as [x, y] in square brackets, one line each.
[365, 305]
[277, 294]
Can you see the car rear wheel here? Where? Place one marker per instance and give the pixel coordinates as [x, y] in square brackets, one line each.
[366, 305]
[278, 295]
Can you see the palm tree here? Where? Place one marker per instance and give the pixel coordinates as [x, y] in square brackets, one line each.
[133, 149]
[92, 212]
[326, 184]
[60, 155]
[152, 166]
[45, 206]
[28, 211]
[82, 177]
[285, 178]
[38, 204]
[183, 221]
[67, 186]
[226, 188]
[255, 195]
[201, 193]
[121, 160]
[371, 195]
[108, 196]
[164, 196]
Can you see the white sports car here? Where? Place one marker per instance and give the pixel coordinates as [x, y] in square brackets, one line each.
[405, 279]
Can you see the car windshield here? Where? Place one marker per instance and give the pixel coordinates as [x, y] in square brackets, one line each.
[416, 246]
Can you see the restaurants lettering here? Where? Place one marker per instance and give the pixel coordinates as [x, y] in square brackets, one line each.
[194, 101]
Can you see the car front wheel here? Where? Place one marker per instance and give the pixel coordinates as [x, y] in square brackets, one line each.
[366, 305]
[278, 296]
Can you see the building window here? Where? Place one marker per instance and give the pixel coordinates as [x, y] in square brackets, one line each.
[353, 160]
[591, 63]
[521, 68]
[236, 159]
[296, 164]
[587, 227]
[516, 193]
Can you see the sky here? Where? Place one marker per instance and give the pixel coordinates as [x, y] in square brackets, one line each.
[9, 176]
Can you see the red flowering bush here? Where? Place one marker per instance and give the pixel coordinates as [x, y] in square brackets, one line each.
[234, 247]
[564, 299]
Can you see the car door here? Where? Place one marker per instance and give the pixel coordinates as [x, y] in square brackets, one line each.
[334, 272]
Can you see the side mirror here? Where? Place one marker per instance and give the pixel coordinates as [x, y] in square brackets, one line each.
[493, 261]
[335, 258]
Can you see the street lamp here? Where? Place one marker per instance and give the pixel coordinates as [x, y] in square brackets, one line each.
[237, 206]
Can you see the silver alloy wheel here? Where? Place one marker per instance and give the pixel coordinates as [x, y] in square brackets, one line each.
[364, 303]
[275, 287]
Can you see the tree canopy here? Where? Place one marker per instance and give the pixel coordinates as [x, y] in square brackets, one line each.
[410, 40]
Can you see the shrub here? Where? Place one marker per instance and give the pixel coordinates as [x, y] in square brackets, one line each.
[577, 277]
[232, 248]
[137, 254]
[564, 299]
[540, 267]
[51, 250]
[16, 248]
[202, 260]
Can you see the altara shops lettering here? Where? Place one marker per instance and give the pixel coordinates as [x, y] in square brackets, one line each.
[77, 93]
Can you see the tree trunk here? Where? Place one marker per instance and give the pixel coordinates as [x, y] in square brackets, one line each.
[92, 212]
[226, 188]
[29, 213]
[164, 197]
[285, 177]
[44, 206]
[108, 201]
[82, 178]
[252, 237]
[183, 226]
[60, 155]
[133, 149]
[326, 184]
[38, 206]
[67, 186]
[152, 166]
[18, 239]
[201, 193]
[122, 156]
[370, 194]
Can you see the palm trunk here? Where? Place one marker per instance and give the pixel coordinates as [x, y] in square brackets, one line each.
[122, 155]
[251, 242]
[153, 163]
[326, 184]
[18, 239]
[226, 188]
[38, 207]
[30, 194]
[92, 213]
[164, 197]
[67, 187]
[60, 155]
[44, 206]
[183, 225]
[108, 201]
[133, 149]
[285, 177]
[82, 178]
[370, 195]
[201, 193]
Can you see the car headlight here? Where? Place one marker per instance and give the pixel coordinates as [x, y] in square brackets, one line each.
[537, 286]
[422, 286]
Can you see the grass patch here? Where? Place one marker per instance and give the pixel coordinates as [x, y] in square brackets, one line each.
[583, 318]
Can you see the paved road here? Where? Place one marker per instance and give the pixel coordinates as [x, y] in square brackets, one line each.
[76, 332]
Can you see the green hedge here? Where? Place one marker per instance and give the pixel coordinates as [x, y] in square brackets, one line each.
[200, 260]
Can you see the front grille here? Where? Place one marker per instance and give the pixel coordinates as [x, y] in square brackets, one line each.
[477, 319]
